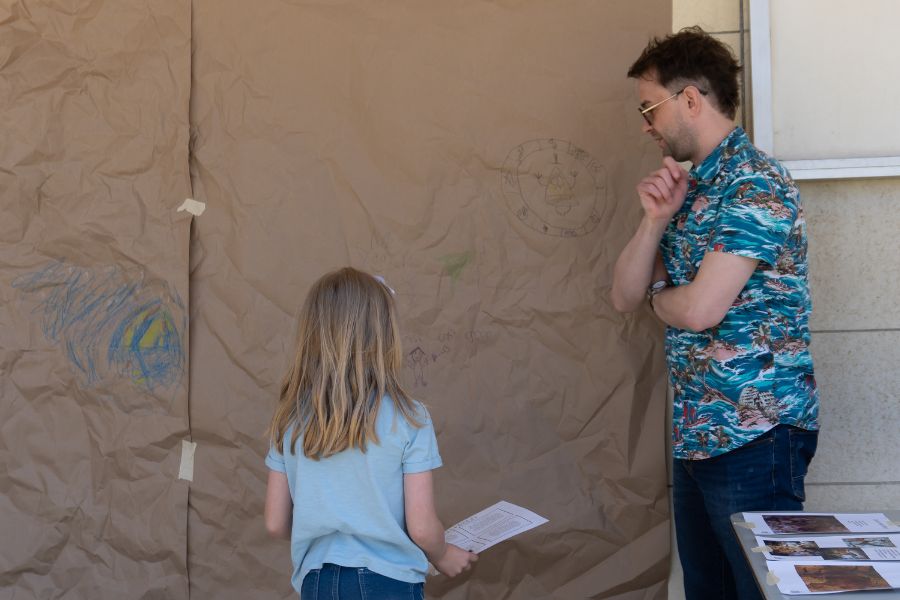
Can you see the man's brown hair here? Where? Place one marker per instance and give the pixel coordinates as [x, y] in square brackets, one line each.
[692, 57]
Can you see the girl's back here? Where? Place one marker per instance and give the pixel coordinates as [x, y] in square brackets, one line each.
[348, 508]
[351, 453]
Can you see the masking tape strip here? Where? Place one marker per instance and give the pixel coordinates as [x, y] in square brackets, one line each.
[195, 207]
[772, 578]
[186, 470]
[744, 524]
[758, 549]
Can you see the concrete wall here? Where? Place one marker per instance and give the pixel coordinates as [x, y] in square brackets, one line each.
[854, 238]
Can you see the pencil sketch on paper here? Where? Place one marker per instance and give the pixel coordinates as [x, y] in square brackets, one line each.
[554, 187]
[420, 359]
[111, 322]
[387, 257]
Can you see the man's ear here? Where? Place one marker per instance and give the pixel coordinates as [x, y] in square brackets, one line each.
[693, 97]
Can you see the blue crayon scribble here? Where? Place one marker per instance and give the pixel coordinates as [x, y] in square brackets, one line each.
[111, 322]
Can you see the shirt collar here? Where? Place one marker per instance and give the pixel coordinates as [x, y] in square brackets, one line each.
[712, 164]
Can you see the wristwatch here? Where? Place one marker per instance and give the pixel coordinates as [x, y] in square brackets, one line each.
[655, 288]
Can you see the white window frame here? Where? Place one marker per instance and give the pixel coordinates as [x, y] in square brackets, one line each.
[763, 125]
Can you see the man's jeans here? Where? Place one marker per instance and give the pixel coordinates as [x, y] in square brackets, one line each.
[333, 582]
[765, 474]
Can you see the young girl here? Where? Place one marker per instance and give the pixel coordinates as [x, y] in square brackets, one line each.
[350, 465]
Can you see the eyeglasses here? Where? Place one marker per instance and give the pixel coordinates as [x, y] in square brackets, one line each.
[646, 112]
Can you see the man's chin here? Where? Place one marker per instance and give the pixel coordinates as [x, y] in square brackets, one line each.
[677, 156]
[663, 146]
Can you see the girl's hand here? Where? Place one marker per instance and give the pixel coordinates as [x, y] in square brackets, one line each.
[454, 561]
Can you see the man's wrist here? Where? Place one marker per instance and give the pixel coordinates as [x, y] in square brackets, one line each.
[654, 290]
[654, 228]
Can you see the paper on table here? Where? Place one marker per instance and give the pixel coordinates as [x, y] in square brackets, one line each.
[491, 526]
[802, 523]
[840, 548]
[829, 576]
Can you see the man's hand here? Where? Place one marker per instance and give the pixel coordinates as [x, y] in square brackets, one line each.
[454, 561]
[662, 192]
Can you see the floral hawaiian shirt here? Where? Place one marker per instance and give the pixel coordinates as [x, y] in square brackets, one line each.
[752, 371]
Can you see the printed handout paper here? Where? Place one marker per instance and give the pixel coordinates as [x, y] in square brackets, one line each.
[829, 576]
[795, 523]
[834, 547]
[491, 526]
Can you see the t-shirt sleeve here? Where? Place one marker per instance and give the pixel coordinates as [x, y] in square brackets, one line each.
[275, 460]
[421, 452]
[755, 220]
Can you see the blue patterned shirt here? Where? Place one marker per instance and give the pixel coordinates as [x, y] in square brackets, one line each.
[735, 381]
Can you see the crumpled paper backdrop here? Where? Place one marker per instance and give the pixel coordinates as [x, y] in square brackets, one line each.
[481, 156]
[94, 288]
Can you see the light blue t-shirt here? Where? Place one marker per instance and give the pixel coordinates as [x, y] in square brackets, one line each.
[348, 508]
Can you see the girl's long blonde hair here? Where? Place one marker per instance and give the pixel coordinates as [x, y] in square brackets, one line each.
[348, 358]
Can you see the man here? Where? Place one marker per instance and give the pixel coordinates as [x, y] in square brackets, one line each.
[720, 254]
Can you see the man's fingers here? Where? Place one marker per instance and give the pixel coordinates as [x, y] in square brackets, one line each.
[645, 187]
[650, 190]
[666, 175]
[662, 190]
[673, 167]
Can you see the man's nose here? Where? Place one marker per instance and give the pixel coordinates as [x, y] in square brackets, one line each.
[646, 127]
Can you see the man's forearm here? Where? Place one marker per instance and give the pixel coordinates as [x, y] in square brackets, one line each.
[673, 307]
[705, 301]
[634, 268]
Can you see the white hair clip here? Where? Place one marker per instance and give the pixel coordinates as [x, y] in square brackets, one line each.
[385, 284]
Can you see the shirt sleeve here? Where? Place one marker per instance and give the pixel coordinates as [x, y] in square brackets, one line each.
[275, 460]
[755, 220]
[421, 452]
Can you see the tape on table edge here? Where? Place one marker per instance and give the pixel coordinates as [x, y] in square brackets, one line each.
[758, 549]
[186, 469]
[195, 207]
[744, 524]
[772, 578]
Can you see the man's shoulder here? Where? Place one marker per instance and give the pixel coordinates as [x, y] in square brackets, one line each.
[754, 167]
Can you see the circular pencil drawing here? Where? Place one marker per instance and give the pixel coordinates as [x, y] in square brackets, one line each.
[554, 187]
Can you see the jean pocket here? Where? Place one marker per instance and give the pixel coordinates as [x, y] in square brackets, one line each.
[310, 586]
[379, 587]
[803, 447]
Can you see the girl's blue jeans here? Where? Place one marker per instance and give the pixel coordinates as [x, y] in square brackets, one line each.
[764, 475]
[334, 582]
